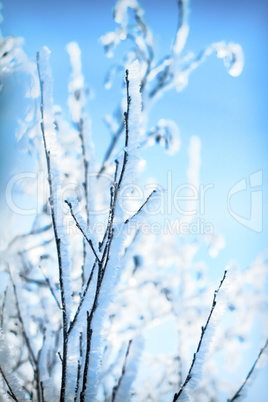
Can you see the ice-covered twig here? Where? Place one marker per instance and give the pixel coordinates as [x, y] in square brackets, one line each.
[81, 226]
[58, 239]
[103, 263]
[33, 232]
[2, 313]
[126, 115]
[33, 359]
[77, 104]
[122, 390]
[86, 188]
[47, 282]
[82, 298]
[86, 368]
[110, 149]
[183, 27]
[116, 387]
[77, 380]
[200, 344]
[249, 375]
[141, 207]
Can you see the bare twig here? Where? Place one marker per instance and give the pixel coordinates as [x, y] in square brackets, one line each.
[249, 375]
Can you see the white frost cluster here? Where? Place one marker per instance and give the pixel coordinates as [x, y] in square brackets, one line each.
[232, 54]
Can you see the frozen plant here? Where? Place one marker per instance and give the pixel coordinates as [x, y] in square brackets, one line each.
[84, 286]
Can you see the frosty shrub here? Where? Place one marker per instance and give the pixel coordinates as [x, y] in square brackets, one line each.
[84, 286]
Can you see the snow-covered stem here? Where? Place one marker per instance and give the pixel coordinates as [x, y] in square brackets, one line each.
[111, 148]
[126, 115]
[115, 388]
[141, 207]
[81, 226]
[58, 240]
[200, 343]
[237, 395]
[33, 359]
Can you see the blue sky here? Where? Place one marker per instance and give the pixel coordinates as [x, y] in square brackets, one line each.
[228, 114]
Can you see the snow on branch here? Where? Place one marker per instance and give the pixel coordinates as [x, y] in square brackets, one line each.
[55, 200]
[183, 27]
[121, 391]
[194, 373]
[240, 392]
[80, 223]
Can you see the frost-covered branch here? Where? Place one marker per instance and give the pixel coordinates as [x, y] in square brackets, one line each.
[141, 207]
[202, 345]
[81, 226]
[115, 388]
[238, 393]
[47, 122]
[32, 357]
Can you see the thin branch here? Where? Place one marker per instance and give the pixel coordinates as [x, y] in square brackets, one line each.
[102, 264]
[47, 281]
[57, 239]
[24, 333]
[89, 335]
[33, 232]
[141, 207]
[33, 359]
[3, 308]
[105, 256]
[126, 115]
[60, 357]
[249, 375]
[42, 390]
[10, 392]
[78, 375]
[40, 384]
[110, 149]
[85, 186]
[77, 380]
[116, 387]
[89, 241]
[72, 323]
[189, 375]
